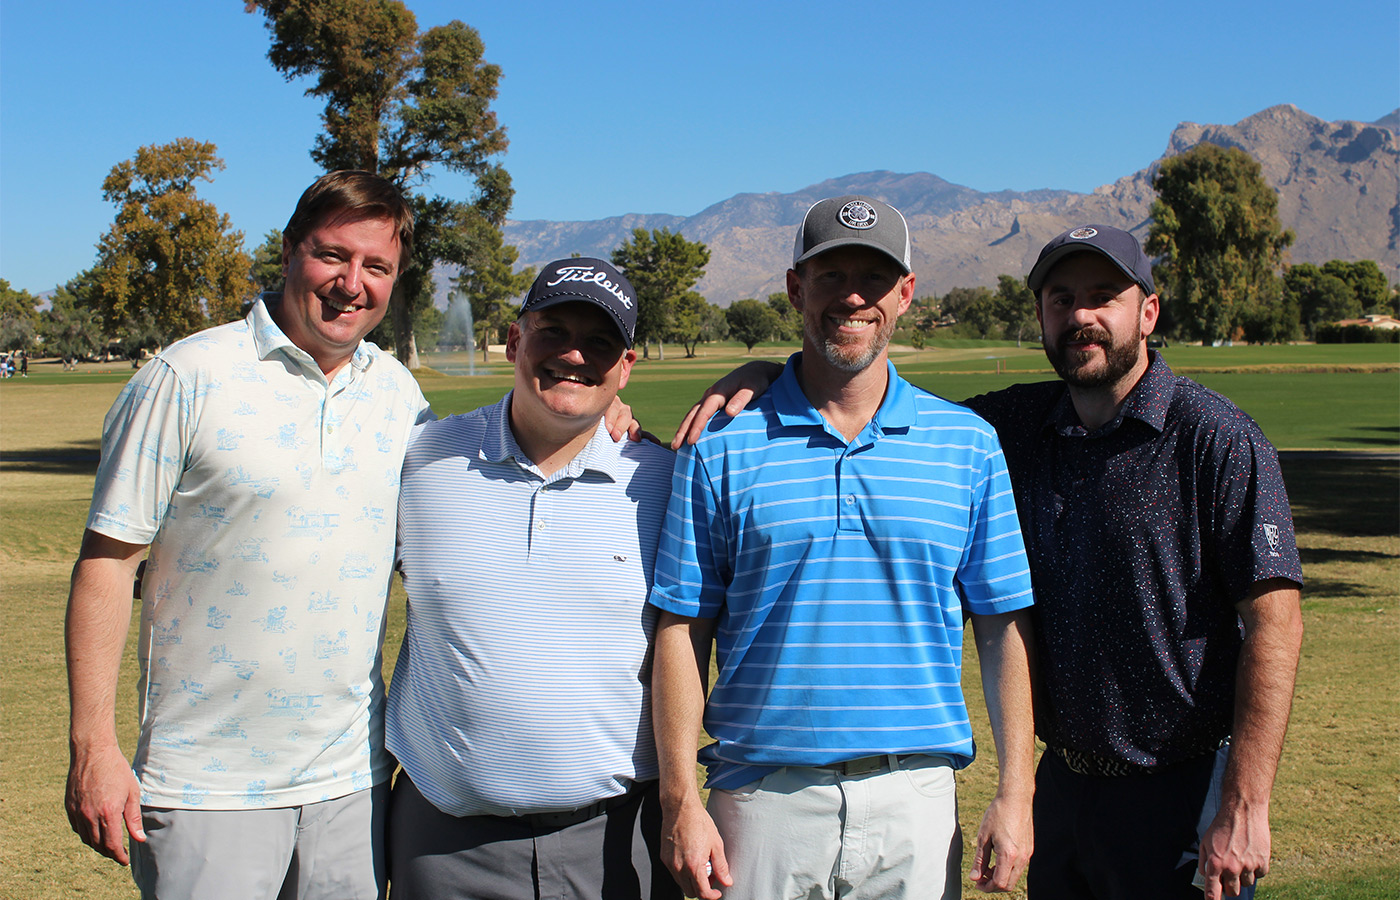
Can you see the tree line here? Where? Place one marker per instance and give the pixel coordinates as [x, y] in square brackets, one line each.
[404, 103]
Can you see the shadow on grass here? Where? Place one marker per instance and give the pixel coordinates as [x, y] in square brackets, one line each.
[1343, 496]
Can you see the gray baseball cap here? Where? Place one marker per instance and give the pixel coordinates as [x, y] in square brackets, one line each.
[853, 220]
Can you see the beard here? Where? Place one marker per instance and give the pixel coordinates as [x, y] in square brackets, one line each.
[1074, 366]
[851, 353]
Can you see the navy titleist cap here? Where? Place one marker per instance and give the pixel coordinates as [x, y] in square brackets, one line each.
[585, 278]
[1115, 244]
[844, 221]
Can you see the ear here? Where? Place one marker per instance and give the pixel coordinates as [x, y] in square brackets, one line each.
[628, 358]
[1149, 313]
[1039, 316]
[906, 294]
[512, 341]
[287, 251]
[794, 289]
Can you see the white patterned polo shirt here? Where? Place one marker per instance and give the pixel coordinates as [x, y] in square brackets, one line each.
[268, 497]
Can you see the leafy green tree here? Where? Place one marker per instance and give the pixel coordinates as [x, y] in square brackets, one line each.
[789, 319]
[1366, 281]
[1015, 307]
[751, 321]
[493, 287]
[266, 272]
[697, 319]
[662, 265]
[400, 104]
[1319, 296]
[19, 317]
[170, 263]
[1216, 234]
[976, 311]
[70, 328]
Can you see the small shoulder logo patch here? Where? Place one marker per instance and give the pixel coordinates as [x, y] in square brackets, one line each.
[858, 214]
[1271, 535]
[1081, 234]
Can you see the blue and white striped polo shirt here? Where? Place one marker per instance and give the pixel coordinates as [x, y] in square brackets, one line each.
[839, 574]
[524, 680]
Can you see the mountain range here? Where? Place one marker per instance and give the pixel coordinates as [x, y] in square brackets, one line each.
[1338, 186]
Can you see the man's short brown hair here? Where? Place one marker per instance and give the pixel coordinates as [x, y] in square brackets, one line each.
[357, 194]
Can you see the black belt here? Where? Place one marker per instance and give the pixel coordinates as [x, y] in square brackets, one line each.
[565, 818]
[1082, 762]
[867, 765]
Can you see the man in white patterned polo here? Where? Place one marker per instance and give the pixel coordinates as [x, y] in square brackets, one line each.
[519, 707]
[259, 462]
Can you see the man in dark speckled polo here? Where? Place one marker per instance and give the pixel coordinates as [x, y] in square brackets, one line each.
[1167, 596]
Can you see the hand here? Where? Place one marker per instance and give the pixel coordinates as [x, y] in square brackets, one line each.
[619, 422]
[690, 844]
[1235, 850]
[103, 799]
[1004, 845]
[731, 393]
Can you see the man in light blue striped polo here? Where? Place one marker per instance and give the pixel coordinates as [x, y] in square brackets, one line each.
[520, 705]
[832, 538]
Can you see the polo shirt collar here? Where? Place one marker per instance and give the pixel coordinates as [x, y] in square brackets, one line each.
[601, 454]
[897, 410]
[269, 339]
[1147, 402]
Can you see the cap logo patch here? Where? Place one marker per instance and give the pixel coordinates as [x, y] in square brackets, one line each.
[592, 276]
[1082, 234]
[858, 214]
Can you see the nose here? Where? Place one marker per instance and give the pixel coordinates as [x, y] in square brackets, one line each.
[572, 355]
[350, 278]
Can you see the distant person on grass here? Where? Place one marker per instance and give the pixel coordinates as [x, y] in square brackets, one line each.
[1167, 581]
[832, 538]
[520, 706]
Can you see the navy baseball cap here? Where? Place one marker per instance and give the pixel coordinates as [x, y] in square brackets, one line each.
[844, 221]
[585, 278]
[1114, 244]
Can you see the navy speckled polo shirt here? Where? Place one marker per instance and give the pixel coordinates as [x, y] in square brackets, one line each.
[1142, 536]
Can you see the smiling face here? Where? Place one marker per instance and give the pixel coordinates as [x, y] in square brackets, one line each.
[1095, 320]
[850, 299]
[570, 362]
[339, 280]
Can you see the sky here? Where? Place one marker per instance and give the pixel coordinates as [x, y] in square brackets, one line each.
[657, 107]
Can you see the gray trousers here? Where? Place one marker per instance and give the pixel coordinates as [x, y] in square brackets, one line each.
[611, 856]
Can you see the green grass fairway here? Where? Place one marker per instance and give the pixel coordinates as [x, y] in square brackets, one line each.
[1336, 825]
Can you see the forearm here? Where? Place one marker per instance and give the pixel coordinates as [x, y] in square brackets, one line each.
[95, 628]
[1265, 675]
[1004, 654]
[678, 705]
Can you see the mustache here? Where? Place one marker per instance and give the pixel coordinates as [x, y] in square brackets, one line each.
[1087, 335]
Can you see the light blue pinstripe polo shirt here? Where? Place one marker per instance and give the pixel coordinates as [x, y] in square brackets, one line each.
[524, 680]
[839, 574]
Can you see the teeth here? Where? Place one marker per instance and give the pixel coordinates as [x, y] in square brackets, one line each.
[564, 376]
[853, 323]
[339, 307]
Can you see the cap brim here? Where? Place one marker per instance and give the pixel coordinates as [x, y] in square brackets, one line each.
[847, 242]
[1036, 280]
[556, 299]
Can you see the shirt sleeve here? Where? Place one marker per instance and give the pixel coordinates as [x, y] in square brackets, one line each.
[994, 575]
[145, 439]
[693, 565]
[1252, 519]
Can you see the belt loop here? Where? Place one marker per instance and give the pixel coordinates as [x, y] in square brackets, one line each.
[894, 761]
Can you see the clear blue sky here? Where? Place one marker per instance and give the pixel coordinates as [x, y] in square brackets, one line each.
[617, 107]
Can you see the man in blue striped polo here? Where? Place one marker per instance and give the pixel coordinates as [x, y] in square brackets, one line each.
[520, 706]
[832, 538]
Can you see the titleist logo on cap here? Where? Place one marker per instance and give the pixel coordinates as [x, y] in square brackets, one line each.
[591, 275]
